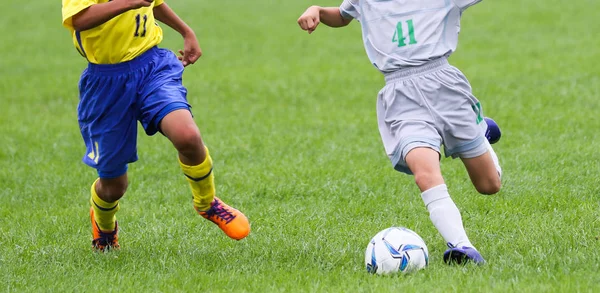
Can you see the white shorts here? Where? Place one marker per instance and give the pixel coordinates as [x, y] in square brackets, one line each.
[429, 106]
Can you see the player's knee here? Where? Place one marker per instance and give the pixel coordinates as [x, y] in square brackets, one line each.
[117, 192]
[427, 179]
[489, 187]
[113, 190]
[187, 138]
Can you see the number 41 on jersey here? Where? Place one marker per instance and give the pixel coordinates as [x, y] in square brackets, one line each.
[399, 36]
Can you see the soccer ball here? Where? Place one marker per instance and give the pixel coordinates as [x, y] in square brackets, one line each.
[394, 250]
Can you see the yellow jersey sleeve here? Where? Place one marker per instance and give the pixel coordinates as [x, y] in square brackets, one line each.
[72, 7]
[120, 39]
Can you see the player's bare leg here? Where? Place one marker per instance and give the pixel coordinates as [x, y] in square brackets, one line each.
[484, 173]
[181, 129]
[112, 189]
[424, 164]
[195, 161]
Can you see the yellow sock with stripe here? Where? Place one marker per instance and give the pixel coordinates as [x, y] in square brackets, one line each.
[202, 182]
[104, 212]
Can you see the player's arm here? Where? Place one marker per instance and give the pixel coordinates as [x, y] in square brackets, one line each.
[98, 14]
[191, 50]
[166, 15]
[330, 16]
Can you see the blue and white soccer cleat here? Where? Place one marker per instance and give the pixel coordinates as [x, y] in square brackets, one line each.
[492, 133]
[462, 255]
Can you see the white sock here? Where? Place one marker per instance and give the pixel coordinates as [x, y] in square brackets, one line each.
[494, 158]
[445, 216]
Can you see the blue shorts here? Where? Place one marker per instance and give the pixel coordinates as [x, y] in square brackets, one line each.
[113, 97]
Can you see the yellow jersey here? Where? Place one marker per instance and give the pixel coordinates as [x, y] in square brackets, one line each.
[120, 39]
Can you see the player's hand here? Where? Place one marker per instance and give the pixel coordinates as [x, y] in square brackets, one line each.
[135, 4]
[191, 50]
[310, 19]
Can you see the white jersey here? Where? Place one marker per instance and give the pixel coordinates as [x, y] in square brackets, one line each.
[407, 33]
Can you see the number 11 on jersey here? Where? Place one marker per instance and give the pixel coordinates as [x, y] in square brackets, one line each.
[138, 20]
[399, 34]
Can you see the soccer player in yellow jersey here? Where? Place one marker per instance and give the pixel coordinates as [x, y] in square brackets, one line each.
[130, 79]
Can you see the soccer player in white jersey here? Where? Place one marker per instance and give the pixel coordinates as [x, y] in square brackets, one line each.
[426, 103]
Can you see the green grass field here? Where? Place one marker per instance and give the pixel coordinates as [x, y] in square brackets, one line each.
[290, 120]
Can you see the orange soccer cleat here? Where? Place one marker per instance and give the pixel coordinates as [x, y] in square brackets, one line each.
[103, 241]
[233, 222]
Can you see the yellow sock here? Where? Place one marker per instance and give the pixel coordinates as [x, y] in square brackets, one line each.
[202, 182]
[104, 212]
